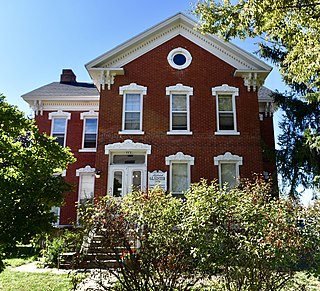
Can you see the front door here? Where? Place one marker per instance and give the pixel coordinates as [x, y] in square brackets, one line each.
[125, 179]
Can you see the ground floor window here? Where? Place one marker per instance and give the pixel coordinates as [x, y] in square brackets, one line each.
[180, 172]
[86, 184]
[228, 167]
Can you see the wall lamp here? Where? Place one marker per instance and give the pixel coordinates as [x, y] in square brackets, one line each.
[97, 173]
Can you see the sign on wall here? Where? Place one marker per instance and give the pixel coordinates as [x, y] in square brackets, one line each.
[157, 178]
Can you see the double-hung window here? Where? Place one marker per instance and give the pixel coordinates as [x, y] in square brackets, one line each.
[180, 172]
[226, 109]
[228, 167]
[132, 108]
[179, 109]
[86, 184]
[59, 126]
[90, 129]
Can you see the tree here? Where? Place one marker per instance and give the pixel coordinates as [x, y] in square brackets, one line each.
[28, 186]
[297, 163]
[287, 32]
[288, 28]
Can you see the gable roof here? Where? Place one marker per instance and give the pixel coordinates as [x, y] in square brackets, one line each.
[179, 24]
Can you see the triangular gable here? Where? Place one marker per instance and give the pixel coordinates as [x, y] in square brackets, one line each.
[104, 68]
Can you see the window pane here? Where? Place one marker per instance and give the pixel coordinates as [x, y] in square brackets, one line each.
[228, 175]
[59, 125]
[132, 121]
[225, 103]
[179, 177]
[59, 138]
[179, 102]
[226, 121]
[90, 140]
[91, 125]
[179, 121]
[117, 184]
[132, 102]
[136, 180]
[86, 187]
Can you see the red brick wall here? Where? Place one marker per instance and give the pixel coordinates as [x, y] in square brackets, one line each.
[206, 71]
[74, 141]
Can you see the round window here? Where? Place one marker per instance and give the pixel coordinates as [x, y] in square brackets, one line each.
[179, 58]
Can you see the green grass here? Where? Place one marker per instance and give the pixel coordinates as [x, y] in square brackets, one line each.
[21, 281]
[24, 281]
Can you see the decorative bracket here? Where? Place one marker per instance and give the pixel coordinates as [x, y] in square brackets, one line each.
[252, 78]
[37, 107]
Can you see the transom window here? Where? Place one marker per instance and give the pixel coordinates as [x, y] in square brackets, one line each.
[179, 109]
[132, 108]
[59, 126]
[228, 165]
[226, 109]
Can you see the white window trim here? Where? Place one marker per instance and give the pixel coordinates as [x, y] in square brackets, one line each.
[84, 116]
[176, 51]
[234, 92]
[228, 158]
[60, 114]
[180, 157]
[133, 88]
[180, 89]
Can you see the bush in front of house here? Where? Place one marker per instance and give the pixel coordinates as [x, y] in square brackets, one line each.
[61, 242]
[245, 237]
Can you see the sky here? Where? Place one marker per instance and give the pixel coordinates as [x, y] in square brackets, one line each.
[39, 38]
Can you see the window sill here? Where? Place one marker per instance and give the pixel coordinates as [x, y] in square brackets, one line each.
[93, 150]
[179, 132]
[227, 133]
[131, 132]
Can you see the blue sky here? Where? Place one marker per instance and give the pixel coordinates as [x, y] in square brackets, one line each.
[39, 38]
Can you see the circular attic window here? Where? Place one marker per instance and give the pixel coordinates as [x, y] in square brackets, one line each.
[179, 58]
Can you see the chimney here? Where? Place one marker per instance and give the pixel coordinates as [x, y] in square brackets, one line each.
[67, 77]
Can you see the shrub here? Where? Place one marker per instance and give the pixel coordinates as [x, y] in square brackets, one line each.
[66, 241]
[250, 239]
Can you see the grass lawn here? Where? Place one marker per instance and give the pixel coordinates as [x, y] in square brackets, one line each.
[23, 281]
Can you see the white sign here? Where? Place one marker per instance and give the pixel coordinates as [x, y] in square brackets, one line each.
[157, 178]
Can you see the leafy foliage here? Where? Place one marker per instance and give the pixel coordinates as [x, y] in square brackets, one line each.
[245, 237]
[297, 162]
[288, 28]
[142, 232]
[28, 188]
[253, 241]
[287, 32]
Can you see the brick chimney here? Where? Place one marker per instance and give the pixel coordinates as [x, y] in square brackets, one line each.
[67, 77]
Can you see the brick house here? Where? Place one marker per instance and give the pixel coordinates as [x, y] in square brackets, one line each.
[169, 107]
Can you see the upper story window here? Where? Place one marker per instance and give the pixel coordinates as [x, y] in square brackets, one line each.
[179, 109]
[132, 108]
[228, 169]
[226, 109]
[59, 126]
[180, 172]
[179, 58]
[90, 129]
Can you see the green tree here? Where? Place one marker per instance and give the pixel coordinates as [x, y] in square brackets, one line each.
[297, 162]
[28, 186]
[287, 32]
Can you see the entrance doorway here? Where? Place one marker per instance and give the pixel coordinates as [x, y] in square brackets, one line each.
[127, 173]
